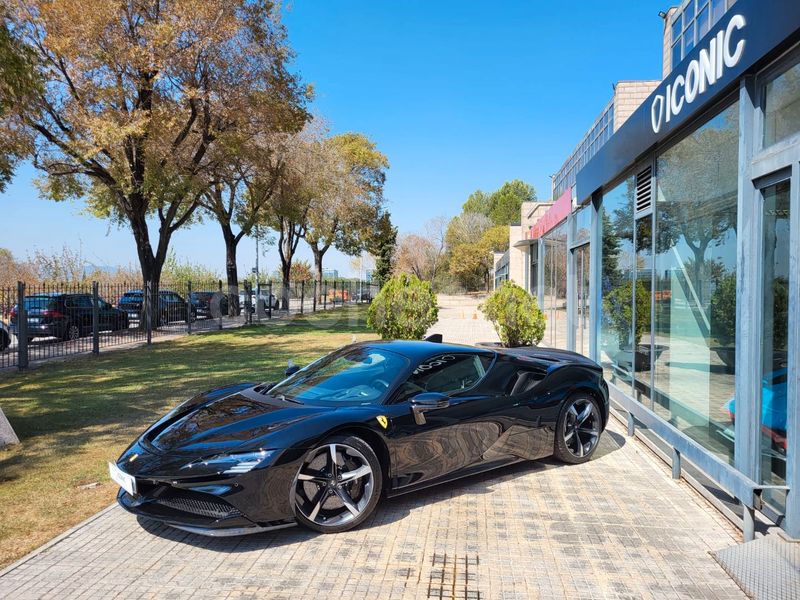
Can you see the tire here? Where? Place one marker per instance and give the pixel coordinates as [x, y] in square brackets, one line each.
[578, 430]
[320, 496]
[5, 341]
[71, 333]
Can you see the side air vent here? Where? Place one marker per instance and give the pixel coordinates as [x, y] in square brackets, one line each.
[644, 190]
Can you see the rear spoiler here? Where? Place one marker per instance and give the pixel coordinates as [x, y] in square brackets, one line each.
[436, 338]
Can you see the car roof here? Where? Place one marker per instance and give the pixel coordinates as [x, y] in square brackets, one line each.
[418, 349]
[56, 294]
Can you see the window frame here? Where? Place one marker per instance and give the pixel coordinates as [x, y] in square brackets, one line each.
[780, 66]
[492, 355]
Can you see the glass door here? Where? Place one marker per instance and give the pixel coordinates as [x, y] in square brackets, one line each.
[775, 282]
[581, 257]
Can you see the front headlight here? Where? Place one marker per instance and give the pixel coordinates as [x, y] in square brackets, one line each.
[233, 464]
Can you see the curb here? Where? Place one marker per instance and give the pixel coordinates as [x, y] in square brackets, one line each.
[47, 545]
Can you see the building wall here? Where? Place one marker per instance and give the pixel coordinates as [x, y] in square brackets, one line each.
[628, 96]
[667, 47]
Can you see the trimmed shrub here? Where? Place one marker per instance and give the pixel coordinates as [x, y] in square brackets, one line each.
[618, 307]
[404, 309]
[515, 315]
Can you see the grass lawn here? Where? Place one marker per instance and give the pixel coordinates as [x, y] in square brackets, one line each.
[74, 416]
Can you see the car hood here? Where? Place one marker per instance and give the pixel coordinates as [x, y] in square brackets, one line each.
[224, 422]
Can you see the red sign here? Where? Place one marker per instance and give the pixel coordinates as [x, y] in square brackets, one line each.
[554, 215]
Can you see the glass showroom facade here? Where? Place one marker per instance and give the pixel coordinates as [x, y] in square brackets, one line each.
[679, 267]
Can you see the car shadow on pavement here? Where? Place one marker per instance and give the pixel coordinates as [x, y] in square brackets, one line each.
[389, 510]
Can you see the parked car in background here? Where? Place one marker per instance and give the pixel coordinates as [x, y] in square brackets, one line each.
[66, 316]
[5, 336]
[264, 299]
[171, 306]
[209, 305]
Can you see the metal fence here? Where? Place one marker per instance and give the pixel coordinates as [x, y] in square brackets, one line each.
[42, 321]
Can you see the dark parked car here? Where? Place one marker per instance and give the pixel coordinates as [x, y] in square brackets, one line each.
[209, 305]
[324, 444]
[171, 306]
[5, 336]
[66, 316]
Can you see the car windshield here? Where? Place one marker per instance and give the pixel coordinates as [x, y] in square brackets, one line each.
[131, 297]
[359, 375]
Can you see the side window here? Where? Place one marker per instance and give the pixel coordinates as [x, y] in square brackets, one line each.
[446, 374]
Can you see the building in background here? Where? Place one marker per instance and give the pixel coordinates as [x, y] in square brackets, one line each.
[674, 259]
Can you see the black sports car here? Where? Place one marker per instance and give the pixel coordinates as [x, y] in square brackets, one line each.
[321, 446]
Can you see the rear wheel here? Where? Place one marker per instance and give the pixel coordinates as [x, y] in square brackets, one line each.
[5, 340]
[71, 332]
[578, 430]
[338, 485]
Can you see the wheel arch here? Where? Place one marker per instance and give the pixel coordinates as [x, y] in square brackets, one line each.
[375, 441]
[585, 388]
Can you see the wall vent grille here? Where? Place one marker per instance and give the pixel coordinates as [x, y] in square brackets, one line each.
[644, 190]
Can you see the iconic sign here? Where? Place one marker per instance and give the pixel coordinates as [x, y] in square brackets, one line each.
[701, 73]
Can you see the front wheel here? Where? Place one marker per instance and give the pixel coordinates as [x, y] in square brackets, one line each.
[578, 430]
[338, 485]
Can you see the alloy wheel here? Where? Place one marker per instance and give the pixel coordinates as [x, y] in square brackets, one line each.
[73, 332]
[582, 427]
[334, 485]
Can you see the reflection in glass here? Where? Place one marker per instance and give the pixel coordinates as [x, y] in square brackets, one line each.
[555, 300]
[534, 280]
[582, 225]
[616, 283]
[581, 257]
[695, 282]
[782, 106]
[642, 291]
[775, 288]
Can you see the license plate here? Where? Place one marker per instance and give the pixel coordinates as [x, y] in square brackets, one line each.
[125, 481]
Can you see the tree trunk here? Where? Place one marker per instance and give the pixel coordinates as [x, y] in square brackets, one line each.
[151, 267]
[231, 270]
[319, 253]
[286, 272]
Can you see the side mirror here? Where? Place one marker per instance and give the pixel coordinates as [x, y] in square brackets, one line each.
[291, 369]
[421, 403]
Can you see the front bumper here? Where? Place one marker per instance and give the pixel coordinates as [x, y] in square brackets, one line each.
[253, 501]
[37, 330]
[191, 512]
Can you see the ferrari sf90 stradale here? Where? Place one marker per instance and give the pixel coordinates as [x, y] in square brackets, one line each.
[378, 418]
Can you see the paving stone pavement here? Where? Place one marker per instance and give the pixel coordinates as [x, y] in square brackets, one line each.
[615, 527]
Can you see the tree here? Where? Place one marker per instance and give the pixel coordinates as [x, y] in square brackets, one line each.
[478, 202]
[301, 181]
[495, 239]
[466, 228]
[351, 200]
[13, 270]
[505, 203]
[423, 254]
[140, 95]
[244, 183]
[18, 81]
[382, 246]
[471, 265]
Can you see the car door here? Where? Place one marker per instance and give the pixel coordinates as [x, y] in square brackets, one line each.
[452, 437]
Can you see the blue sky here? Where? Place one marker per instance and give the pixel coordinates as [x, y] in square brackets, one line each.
[459, 95]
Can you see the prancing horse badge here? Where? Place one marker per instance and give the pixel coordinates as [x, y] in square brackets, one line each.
[383, 421]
